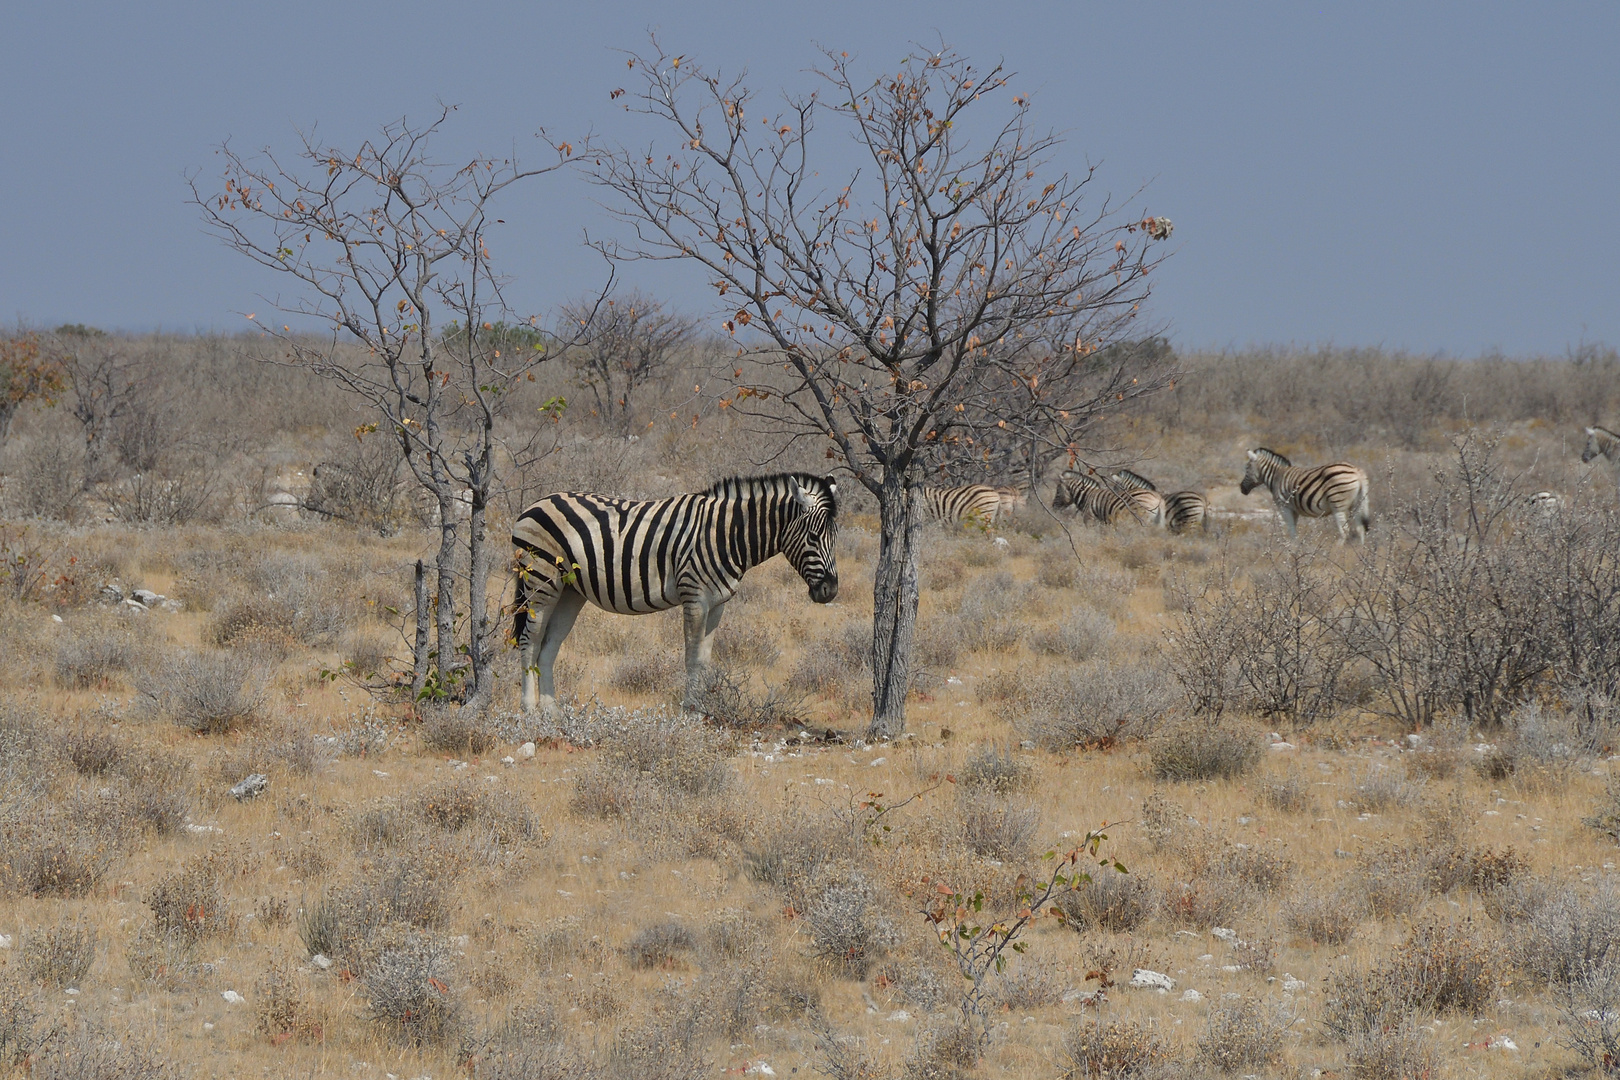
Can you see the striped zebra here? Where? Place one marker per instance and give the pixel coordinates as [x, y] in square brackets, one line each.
[1601, 441]
[1339, 489]
[1183, 510]
[974, 502]
[634, 557]
[1107, 501]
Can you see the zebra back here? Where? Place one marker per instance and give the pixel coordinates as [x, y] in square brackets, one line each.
[1107, 502]
[1600, 440]
[1132, 481]
[962, 503]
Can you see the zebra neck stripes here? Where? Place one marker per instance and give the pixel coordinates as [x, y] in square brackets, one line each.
[1601, 441]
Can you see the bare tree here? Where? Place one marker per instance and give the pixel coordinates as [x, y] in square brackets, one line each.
[954, 285]
[628, 342]
[109, 384]
[390, 249]
[27, 373]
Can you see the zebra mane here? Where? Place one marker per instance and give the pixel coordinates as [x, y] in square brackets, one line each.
[1605, 432]
[734, 486]
[1274, 457]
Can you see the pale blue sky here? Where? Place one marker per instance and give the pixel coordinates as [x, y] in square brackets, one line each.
[1425, 176]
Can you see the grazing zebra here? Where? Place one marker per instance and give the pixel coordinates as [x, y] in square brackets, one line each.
[1601, 441]
[1186, 510]
[1108, 502]
[635, 557]
[1543, 504]
[974, 502]
[1183, 510]
[1339, 489]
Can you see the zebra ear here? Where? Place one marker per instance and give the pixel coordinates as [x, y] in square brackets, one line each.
[802, 497]
[832, 485]
[1253, 454]
[1591, 431]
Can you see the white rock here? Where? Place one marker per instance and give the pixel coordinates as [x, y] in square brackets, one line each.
[760, 1068]
[232, 997]
[1276, 737]
[875, 762]
[508, 760]
[1192, 995]
[1414, 740]
[953, 681]
[1231, 968]
[899, 1016]
[5, 941]
[171, 605]
[1143, 979]
[147, 596]
[1282, 746]
[1207, 957]
[526, 750]
[194, 828]
[1084, 997]
[208, 1026]
[1291, 984]
[250, 787]
[134, 606]
[72, 991]
[379, 772]
[1502, 1042]
[1001, 542]
[1221, 933]
[56, 618]
[321, 961]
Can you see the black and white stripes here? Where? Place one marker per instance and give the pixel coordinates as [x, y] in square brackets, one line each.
[1600, 441]
[633, 557]
[1339, 490]
[974, 502]
[1108, 502]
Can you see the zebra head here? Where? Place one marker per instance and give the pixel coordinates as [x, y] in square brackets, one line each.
[1263, 464]
[1594, 444]
[1064, 496]
[810, 538]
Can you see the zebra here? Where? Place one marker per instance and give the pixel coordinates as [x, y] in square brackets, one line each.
[974, 502]
[1601, 441]
[1339, 489]
[1544, 504]
[1183, 510]
[1106, 501]
[633, 557]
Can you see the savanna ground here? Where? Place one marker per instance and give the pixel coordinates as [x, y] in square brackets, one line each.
[1362, 795]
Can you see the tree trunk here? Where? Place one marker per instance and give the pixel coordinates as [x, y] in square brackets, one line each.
[894, 605]
[445, 600]
[423, 643]
[479, 653]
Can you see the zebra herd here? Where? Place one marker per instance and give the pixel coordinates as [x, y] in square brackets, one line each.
[691, 551]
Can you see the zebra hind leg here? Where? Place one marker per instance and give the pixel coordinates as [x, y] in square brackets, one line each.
[546, 633]
[700, 619]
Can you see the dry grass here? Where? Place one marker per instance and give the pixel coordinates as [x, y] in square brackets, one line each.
[705, 896]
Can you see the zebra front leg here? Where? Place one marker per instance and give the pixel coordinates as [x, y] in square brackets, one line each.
[1290, 519]
[559, 620]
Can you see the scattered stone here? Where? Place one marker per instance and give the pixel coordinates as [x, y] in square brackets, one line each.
[321, 961]
[56, 618]
[1291, 984]
[111, 594]
[526, 750]
[232, 997]
[1143, 979]
[1082, 997]
[1282, 746]
[1221, 933]
[1414, 741]
[147, 597]
[251, 787]
[133, 607]
[953, 681]
[1026, 745]
[875, 762]
[192, 827]
[1502, 1042]
[899, 1016]
[1192, 995]
[171, 605]
[72, 991]
[379, 772]
[1231, 969]
[760, 1068]
[1001, 542]
[508, 760]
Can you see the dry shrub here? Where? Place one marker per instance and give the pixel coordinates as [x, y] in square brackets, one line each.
[747, 643]
[1402, 1052]
[1114, 1050]
[949, 1050]
[527, 1045]
[841, 1057]
[1095, 704]
[456, 805]
[1247, 1035]
[91, 752]
[1325, 918]
[661, 1050]
[995, 769]
[1490, 870]
[1206, 751]
[850, 926]
[656, 671]
[1032, 984]
[1289, 794]
[1440, 968]
[1557, 934]
[1055, 569]
[408, 983]
[1266, 870]
[190, 903]
[723, 697]
[19, 1014]
[1083, 634]
[281, 1008]
[252, 622]
[1111, 901]
[89, 1051]
[46, 850]
[1589, 1008]
[207, 692]
[1383, 788]
[838, 662]
[60, 956]
[994, 613]
[90, 654]
[459, 732]
[1393, 881]
[347, 920]
[999, 828]
[659, 945]
[1214, 898]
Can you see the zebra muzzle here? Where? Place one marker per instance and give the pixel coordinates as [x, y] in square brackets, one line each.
[825, 590]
